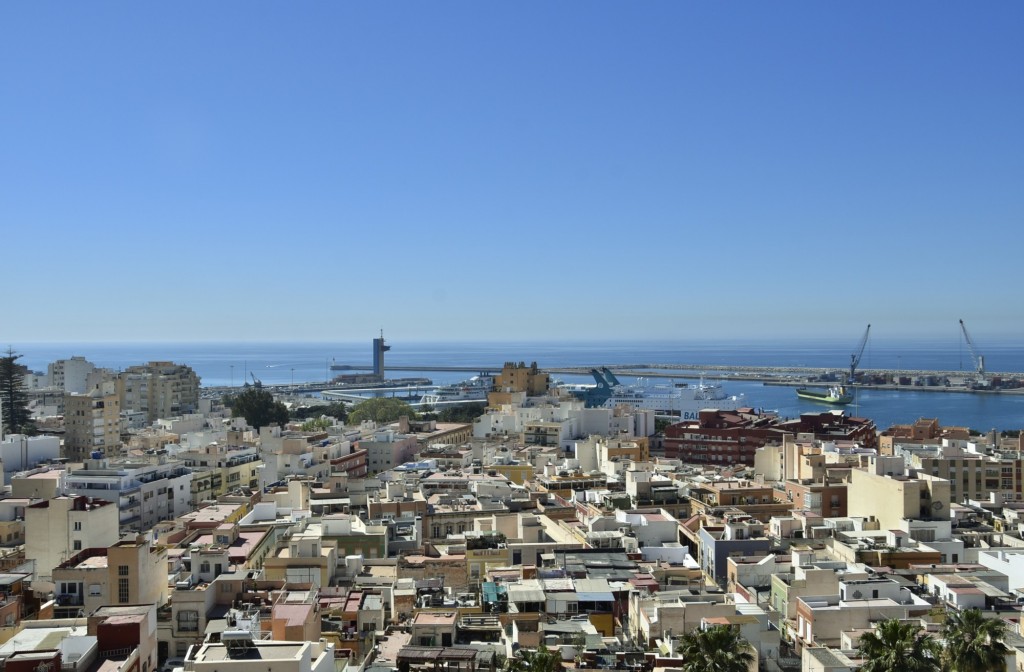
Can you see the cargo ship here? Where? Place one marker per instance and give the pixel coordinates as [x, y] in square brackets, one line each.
[836, 395]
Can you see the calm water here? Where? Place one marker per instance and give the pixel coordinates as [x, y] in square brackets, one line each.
[281, 363]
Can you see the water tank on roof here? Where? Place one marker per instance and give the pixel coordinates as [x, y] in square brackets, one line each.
[96, 454]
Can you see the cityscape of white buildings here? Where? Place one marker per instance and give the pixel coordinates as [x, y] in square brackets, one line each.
[181, 537]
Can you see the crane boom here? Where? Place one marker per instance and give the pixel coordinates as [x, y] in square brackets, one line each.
[979, 360]
[855, 357]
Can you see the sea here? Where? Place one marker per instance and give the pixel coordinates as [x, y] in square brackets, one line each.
[231, 364]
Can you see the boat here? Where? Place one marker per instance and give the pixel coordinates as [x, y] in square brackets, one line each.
[684, 401]
[836, 395]
[474, 389]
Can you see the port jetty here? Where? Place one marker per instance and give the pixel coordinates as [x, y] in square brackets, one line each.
[372, 379]
[792, 376]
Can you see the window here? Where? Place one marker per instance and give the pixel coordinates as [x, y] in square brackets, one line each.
[78, 526]
[122, 591]
[77, 544]
[122, 570]
[188, 621]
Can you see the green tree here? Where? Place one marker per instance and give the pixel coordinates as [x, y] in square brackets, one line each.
[17, 419]
[974, 643]
[453, 412]
[716, 649]
[335, 409]
[540, 659]
[661, 423]
[316, 424]
[895, 646]
[258, 407]
[381, 410]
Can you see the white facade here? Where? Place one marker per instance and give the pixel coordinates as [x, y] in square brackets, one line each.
[70, 375]
[274, 655]
[145, 493]
[652, 528]
[577, 422]
[1005, 561]
[19, 452]
[58, 528]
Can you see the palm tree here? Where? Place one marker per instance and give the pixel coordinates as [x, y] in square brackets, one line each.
[974, 643]
[895, 646]
[534, 660]
[716, 649]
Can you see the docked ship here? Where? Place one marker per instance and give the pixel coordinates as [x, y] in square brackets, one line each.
[474, 389]
[836, 395]
[683, 401]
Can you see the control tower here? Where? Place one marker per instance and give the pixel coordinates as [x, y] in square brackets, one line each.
[378, 355]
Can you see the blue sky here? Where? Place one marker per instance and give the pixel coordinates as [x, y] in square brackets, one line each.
[529, 170]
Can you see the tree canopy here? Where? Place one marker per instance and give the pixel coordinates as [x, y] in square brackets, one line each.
[540, 659]
[973, 643]
[381, 410]
[455, 413]
[17, 418]
[334, 409]
[716, 649]
[258, 407]
[895, 646]
[316, 424]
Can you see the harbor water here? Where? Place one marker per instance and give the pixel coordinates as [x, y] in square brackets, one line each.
[231, 364]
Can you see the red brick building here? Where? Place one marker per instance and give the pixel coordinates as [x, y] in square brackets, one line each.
[732, 437]
[721, 437]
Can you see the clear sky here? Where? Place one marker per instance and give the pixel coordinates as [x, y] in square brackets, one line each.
[518, 170]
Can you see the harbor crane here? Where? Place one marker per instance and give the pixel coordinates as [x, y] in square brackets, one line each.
[979, 360]
[855, 357]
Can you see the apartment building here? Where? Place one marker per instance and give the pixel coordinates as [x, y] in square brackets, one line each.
[218, 469]
[973, 476]
[516, 382]
[92, 422]
[131, 571]
[286, 454]
[58, 528]
[159, 389]
[145, 493]
[20, 453]
[733, 437]
[884, 492]
[231, 655]
[69, 375]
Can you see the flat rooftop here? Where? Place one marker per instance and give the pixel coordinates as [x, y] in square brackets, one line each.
[261, 650]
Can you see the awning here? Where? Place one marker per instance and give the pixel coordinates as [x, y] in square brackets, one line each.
[525, 595]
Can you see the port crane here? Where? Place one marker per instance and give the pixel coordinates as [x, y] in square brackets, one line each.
[979, 360]
[855, 357]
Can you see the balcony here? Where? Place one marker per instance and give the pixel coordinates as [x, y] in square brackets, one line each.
[70, 600]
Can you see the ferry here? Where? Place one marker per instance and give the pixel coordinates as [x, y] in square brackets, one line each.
[683, 401]
[474, 389]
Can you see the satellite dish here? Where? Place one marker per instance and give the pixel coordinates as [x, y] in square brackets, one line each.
[857, 594]
[936, 505]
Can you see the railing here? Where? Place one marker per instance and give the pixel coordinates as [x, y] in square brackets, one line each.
[117, 653]
[70, 600]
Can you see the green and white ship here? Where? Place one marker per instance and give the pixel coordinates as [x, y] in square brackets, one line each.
[836, 395]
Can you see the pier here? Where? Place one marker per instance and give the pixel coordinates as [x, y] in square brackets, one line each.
[769, 375]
